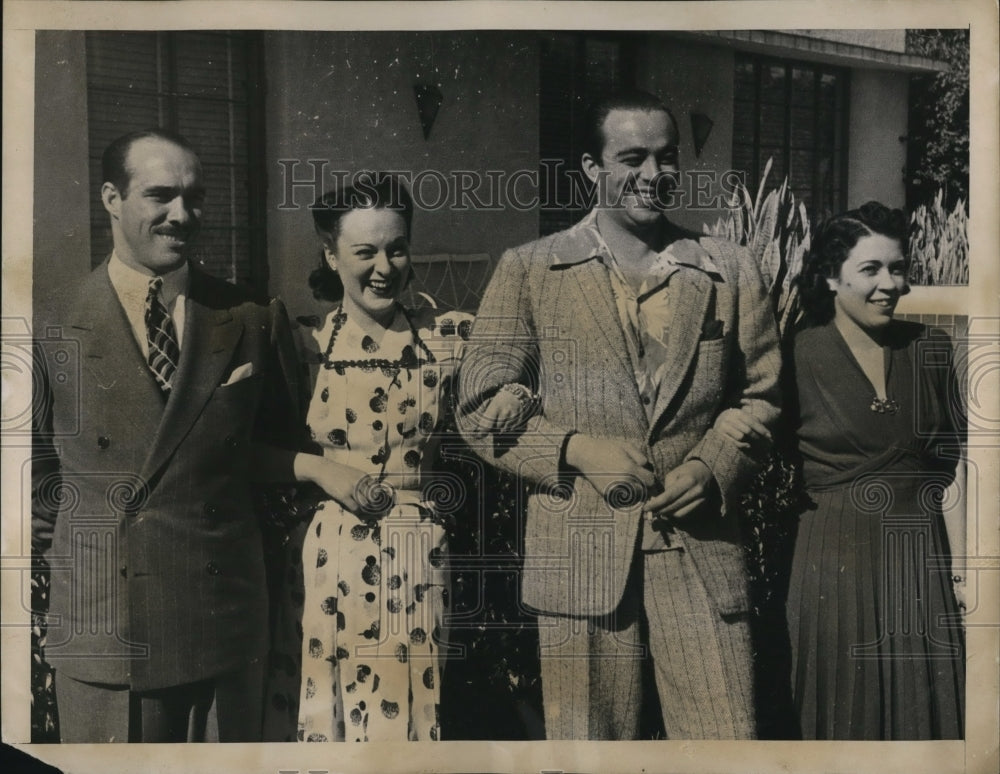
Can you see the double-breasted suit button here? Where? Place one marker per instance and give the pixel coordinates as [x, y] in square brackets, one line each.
[645, 400]
[124, 571]
[212, 568]
[103, 442]
[232, 441]
[211, 510]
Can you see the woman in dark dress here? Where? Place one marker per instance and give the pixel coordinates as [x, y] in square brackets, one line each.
[876, 631]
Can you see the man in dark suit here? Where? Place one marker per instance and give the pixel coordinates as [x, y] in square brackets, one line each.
[636, 336]
[145, 449]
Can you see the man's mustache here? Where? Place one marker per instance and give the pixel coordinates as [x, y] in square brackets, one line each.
[173, 231]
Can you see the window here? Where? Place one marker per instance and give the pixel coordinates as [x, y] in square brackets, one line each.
[208, 87]
[795, 114]
[576, 69]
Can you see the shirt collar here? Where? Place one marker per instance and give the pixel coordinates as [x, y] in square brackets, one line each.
[129, 281]
[681, 252]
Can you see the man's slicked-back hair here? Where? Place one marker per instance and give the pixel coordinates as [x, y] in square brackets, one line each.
[592, 129]
[114, 161]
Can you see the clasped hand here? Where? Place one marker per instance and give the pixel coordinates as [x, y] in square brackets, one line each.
[746, 431]
[682, 491]
[355, 490]
[505, 412]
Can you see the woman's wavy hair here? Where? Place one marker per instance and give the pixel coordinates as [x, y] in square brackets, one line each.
[832, 243]
[370, 190]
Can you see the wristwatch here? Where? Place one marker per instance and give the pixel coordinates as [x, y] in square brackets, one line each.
[522, 393]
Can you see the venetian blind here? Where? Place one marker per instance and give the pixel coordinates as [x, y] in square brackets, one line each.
[795, 114]
[576, 70]
[207, 86]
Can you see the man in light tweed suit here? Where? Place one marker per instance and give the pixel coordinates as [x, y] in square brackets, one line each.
[636, 336]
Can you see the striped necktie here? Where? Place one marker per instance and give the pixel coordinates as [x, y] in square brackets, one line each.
[161, 337]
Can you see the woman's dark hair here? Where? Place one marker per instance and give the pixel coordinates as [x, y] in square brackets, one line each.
[832, 243]
[371, 190]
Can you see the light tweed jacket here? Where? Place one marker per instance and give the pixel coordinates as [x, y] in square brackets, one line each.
[549, 319]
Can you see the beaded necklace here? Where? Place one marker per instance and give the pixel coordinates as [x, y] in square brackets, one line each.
[381, 495]
[408, 358]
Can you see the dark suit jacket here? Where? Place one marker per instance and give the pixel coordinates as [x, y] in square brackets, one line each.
[549, 318]
[144, 511]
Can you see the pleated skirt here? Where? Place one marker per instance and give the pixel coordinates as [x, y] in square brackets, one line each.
[876, 636]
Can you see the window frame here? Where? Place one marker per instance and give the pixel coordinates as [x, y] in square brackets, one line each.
[841, 153]
[553, 219]
[166, 96]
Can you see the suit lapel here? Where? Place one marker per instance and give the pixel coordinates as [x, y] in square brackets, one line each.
[689, 303]
[110, 352]
[210, 336]
[595, 298]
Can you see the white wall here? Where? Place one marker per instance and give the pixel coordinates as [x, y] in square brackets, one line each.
[62, 172]
[876, 156]
[693, 78]
[888, 40]
[348, 98]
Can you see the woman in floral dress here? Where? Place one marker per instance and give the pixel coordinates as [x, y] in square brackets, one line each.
[373, 557]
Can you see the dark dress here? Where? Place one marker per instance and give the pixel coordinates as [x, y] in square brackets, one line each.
[876, 635]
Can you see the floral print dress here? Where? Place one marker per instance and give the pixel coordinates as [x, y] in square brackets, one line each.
[375, 588]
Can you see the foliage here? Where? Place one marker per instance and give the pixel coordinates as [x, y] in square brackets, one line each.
[939, 244]
[775, 228]
[938, 139]
[44, 724]
[496, 666]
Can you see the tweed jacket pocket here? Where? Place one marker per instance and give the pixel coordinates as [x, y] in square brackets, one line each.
[707, 376]
[720, 565]
[578, 551]
[712, 330]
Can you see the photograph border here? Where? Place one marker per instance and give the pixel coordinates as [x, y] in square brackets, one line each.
[979, 752]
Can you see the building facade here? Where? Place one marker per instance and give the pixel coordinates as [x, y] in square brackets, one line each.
[482, 122]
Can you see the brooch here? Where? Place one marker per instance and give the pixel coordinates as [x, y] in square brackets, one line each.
[883, 405]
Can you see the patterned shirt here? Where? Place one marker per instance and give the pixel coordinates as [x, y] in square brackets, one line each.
[645, 314]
